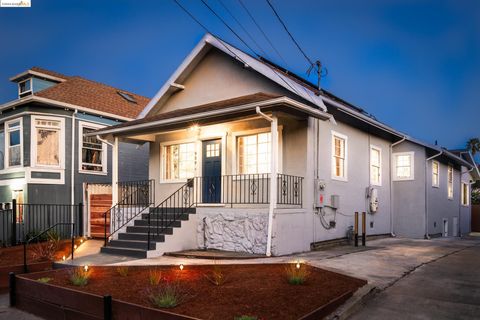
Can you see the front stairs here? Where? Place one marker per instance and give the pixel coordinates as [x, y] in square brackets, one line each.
[134, 241]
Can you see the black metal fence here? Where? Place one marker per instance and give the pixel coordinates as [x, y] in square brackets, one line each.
[289, 190]
[140, 192]
[24, 221]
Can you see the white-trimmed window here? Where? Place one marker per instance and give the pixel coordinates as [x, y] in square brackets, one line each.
[24, 87]
[339, 156]
[375, 166]
[465, 194]
[14, 142]
[93, 151]
[48, 141]
[403, 166]
[254, 153]
[2, 149]
[450, 182]
[435, 174]
[179, 161]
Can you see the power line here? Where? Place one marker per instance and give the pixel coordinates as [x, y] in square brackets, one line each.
[243, 28]
[261, 31]
[291, 36]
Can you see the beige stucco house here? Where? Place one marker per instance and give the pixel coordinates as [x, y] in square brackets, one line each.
[247, 156]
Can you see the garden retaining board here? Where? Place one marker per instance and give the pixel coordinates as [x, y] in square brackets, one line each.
[18, 269]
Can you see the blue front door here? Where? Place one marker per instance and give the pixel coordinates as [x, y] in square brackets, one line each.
[212, 171]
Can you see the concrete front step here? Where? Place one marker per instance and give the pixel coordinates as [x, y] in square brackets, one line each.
[133, 244]
[153, 229]
[153, 222]
[129, 252]
[166, 216]
[141, 237]
[172, 210]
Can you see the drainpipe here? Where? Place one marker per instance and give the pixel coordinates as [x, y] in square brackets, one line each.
[427, 236]
[104, 141]
[391, 184]
[72, 174]
[460, 201]
[273, 176]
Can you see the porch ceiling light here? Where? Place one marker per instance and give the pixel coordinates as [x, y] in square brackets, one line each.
[195, 128]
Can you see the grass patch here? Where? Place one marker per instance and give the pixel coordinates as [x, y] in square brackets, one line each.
[44, 280]
[79, 277]
[246, 318]
[123, 271]
[154, 276]
[167, 295]
[296, 273]
[216, 276]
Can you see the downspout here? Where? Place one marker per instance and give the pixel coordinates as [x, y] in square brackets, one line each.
[104, 141]
[391, 184]
[273, 176]
[460, 202]
[427, 236]
[72, 174]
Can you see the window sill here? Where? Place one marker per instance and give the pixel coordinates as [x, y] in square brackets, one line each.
[173, 181]
[403, 179]
[375, 184]
[436, 187]
[96, 173]
[340, 179]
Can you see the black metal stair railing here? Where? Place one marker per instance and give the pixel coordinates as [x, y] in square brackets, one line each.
[136, 197]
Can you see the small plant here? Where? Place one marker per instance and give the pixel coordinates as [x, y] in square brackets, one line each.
[296, 273]
[154, 276]
[44, 280]
[216, 276]
[123, 270]
[246, 318]
[167, 295]
[79, 277]
[46, 250]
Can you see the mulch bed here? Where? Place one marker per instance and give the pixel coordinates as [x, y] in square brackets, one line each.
[256, 290]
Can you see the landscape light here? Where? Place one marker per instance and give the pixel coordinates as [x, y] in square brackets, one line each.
[297, 265]
[181, 266]
[81, 240]
[75, 247]
[64, 258]
[85, 268]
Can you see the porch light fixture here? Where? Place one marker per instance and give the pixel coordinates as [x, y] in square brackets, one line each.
[181, 267]
[195, 128]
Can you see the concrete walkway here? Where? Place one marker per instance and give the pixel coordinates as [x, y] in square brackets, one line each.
[447, 288]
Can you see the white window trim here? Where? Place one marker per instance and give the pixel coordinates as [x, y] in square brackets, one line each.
[345, 165]
[90, 125]
[412, 165]
[7, 144]
[462, 194]
[33, 146]
[237, 134]
[28, 91]
[438, 175]
[374, 147]
[448, 183]
[198, 146]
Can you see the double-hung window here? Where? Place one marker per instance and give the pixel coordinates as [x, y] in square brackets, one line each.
[465, 194]
[375, 166]
[14, 142]
[450, 182]
[94, 152]
[179, 161]
[339, 156]
[48, 142]
[403, 166]
[254, 153]
[435, 174]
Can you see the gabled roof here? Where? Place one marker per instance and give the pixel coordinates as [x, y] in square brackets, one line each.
[84, 93]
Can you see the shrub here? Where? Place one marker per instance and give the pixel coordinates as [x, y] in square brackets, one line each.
[123, 270]
[46, 250]
[44, 280]
[216, 276]
[246, 318]
[79, 277]
[296, 275]
[154, 276]
[167, 295]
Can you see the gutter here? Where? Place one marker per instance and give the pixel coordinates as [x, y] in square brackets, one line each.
[391, 183]
[273, 176]
[427, 236]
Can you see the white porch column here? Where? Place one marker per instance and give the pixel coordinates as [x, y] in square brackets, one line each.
[273, 181]
[115, 172]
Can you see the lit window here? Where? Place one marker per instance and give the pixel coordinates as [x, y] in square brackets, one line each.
[404, 165]
[450, 182]
[47, 142]
[93, 152]
[339, 157]
[212, 150]
[465, 194]
[375, 166]
[435, 174]
[254, 153]
[14, 143]
[180, 161]
[25, 87]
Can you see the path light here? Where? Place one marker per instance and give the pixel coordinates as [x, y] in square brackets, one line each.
[181, 266]
[75, 247]
[297, 265]
[85, 267]
[64, 258]
[81, 240]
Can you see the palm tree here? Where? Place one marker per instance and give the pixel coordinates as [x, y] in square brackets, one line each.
[473, 145]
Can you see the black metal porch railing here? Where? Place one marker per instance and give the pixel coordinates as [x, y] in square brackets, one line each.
[26, 220]
[136, 197]
[289, 190]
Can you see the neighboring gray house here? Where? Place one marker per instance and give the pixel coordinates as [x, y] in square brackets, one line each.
[271, 164]
[44, 156]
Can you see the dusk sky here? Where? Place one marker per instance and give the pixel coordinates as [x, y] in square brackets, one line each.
[415, 65]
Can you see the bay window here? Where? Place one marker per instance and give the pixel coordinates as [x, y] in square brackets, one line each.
[179, 161]
[14, 142]
[254, 153]
[375, 166]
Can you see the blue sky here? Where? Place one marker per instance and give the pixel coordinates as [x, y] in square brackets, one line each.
[413, 64]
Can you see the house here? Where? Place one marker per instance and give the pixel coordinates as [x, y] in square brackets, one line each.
[45, 157]
[247, 156]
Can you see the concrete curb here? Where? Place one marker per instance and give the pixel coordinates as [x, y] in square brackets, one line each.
[352, 305]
